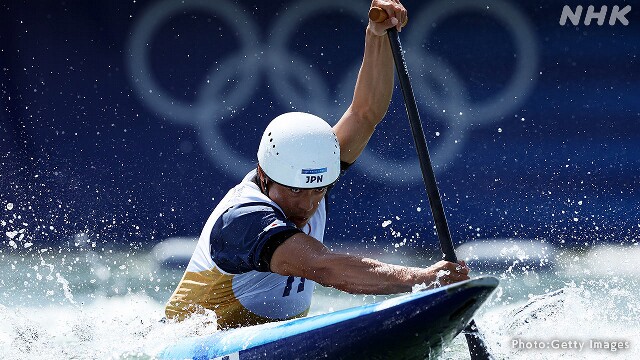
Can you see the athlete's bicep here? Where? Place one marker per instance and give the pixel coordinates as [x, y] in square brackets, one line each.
[300, 255]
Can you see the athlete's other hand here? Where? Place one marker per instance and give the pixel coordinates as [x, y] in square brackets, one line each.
[397, 16]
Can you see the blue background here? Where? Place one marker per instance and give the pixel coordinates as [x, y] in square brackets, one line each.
[88, 146]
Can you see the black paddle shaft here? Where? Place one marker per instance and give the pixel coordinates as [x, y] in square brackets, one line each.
[446, 245]
[477, 347]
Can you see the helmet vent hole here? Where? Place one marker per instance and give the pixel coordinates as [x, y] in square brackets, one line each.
[269, 134]
[271, 140]
[274, 146]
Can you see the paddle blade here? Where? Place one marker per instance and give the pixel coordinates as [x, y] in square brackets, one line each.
[476, 343]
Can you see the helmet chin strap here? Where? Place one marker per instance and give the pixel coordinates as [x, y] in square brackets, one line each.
[262, 178]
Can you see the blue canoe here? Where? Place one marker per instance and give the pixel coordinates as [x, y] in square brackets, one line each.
[411, 326]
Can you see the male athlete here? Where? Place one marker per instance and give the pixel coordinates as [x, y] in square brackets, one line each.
[261, 252]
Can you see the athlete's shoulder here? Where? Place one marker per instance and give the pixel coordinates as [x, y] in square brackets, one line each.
[239, 237]
[251, 211]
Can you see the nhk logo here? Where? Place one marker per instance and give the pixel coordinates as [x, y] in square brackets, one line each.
[615, 15]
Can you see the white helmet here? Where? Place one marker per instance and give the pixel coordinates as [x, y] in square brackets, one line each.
[300, 150]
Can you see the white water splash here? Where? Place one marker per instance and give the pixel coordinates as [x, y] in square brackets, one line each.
[65, 287]
[111, 328]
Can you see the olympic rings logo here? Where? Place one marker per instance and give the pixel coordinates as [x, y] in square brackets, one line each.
[271, 57]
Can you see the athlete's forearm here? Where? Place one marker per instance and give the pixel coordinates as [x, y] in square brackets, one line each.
[304, 256]
[358, 275]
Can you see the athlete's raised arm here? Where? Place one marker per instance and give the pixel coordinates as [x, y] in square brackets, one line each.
[374, 85]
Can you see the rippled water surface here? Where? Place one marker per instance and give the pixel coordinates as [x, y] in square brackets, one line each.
[94, 303]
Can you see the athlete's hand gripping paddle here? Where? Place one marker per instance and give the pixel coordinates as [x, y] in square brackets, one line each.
[475, 341]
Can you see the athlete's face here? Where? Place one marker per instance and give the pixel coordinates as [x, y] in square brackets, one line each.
[298, 204]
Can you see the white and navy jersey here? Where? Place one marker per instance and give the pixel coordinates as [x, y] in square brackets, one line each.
[229, 270]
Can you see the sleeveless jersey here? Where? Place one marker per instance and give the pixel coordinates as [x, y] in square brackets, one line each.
[228, 272]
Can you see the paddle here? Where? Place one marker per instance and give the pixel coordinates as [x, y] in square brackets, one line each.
[477, 348]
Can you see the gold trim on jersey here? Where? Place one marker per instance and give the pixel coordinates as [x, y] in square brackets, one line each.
[212, 290]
